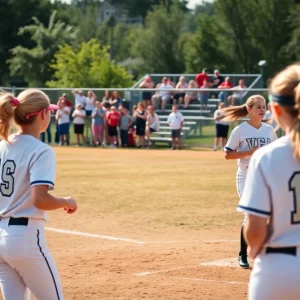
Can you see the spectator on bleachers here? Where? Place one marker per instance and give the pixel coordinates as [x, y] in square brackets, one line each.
[217, 79]
[63, 120]
[90, 103]
[152, 124]
[126, 121]
[163, 94]
[78, 121]
[238, 92]
[115, 100]
[225, 85]
[106, 100]
[201, 77]
[204, 95]
[191, 96]
[98, 116]
[175, 121]
[113, 119]
[170, 82]
[140, 122]
[222, 127]
[79, 98]
[147, 83]
[181, 86]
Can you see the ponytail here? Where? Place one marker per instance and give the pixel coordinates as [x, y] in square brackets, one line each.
[235, 113]
[7, 108]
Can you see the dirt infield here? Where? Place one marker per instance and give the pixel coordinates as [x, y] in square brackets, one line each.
[173, 212]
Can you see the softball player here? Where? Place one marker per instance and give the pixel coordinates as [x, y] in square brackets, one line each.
[244, 140]
[27, 174]
[271, 199]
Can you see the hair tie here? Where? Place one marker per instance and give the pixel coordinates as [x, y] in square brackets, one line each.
[15, 102]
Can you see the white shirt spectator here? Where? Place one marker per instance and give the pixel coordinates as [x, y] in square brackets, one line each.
[64, 115]
[175, 120]
[80, 100]
[89, 103]
[154, 122]
[218, 113]
[164, 89]
[77, 119]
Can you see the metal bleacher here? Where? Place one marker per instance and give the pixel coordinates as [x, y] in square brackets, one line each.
[195, 119]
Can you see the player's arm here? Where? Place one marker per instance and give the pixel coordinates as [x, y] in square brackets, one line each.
[231, 154]
[255, 232]
[43, 200]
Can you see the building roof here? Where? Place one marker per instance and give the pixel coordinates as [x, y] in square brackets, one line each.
[106, 5]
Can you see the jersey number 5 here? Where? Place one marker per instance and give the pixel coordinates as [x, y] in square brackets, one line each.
[8, 181]
[294, 187]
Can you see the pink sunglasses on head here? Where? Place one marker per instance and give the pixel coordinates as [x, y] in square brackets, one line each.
[51, 107]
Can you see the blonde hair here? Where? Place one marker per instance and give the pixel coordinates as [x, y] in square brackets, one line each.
[235, 113]
[286, 83]
[29, 101]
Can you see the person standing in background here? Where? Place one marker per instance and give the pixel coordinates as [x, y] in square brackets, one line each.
[78, 121]
[98, 116]
[140, 119]
[79, 98]
[175, 121]
[63, 120]
[152, 124]
[125, 124]
[201, 77]
[90, 103]
[222, 127]
[113, 119]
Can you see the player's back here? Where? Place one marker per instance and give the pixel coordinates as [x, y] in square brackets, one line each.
[25, 161]
[281, 173]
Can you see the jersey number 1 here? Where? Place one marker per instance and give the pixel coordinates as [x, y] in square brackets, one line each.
[8, 181]
[294, 187]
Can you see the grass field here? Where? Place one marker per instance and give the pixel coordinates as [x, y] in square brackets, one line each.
[166, 213]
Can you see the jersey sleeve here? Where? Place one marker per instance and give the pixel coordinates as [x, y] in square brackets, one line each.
[234, 140]
[43, 169]
[181, 118]
[256, 194]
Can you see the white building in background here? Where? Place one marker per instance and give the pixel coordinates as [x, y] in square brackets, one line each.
[106, 10]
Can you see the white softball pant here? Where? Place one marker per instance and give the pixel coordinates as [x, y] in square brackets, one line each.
[26, 263]
[275, 277]
[240, 184]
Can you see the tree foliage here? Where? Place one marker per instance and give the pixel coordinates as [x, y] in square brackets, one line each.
[33, 63]
[158, 43]
[87, 66]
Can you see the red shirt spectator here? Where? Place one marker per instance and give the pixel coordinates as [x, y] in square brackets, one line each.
[226, 84]
[113, 117]
[66, 100]
[201, 77]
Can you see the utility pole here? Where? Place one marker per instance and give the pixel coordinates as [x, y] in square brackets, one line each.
[111, 24]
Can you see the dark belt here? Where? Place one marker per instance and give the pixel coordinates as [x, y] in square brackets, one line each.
[18, 221]
[283, 250]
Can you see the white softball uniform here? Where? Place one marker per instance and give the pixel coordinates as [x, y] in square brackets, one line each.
[25, 261]
[272, 191]
[243, 138]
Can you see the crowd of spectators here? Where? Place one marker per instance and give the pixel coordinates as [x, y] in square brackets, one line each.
[108, 122]
[165, 93]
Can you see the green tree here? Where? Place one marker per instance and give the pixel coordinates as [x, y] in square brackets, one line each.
[16, 14]
[33, 63]
[158, 44]
[89, 66]
[204, 49]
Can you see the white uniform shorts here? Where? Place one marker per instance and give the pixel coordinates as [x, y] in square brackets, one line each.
[275, 276]
[25, 261]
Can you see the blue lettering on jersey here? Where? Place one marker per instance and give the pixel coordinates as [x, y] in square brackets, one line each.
[257, 142]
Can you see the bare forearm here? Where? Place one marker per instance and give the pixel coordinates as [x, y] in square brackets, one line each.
[255, 235]
[49, 202]
[237, 155]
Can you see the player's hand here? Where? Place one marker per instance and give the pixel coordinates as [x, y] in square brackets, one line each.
[70, 205]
